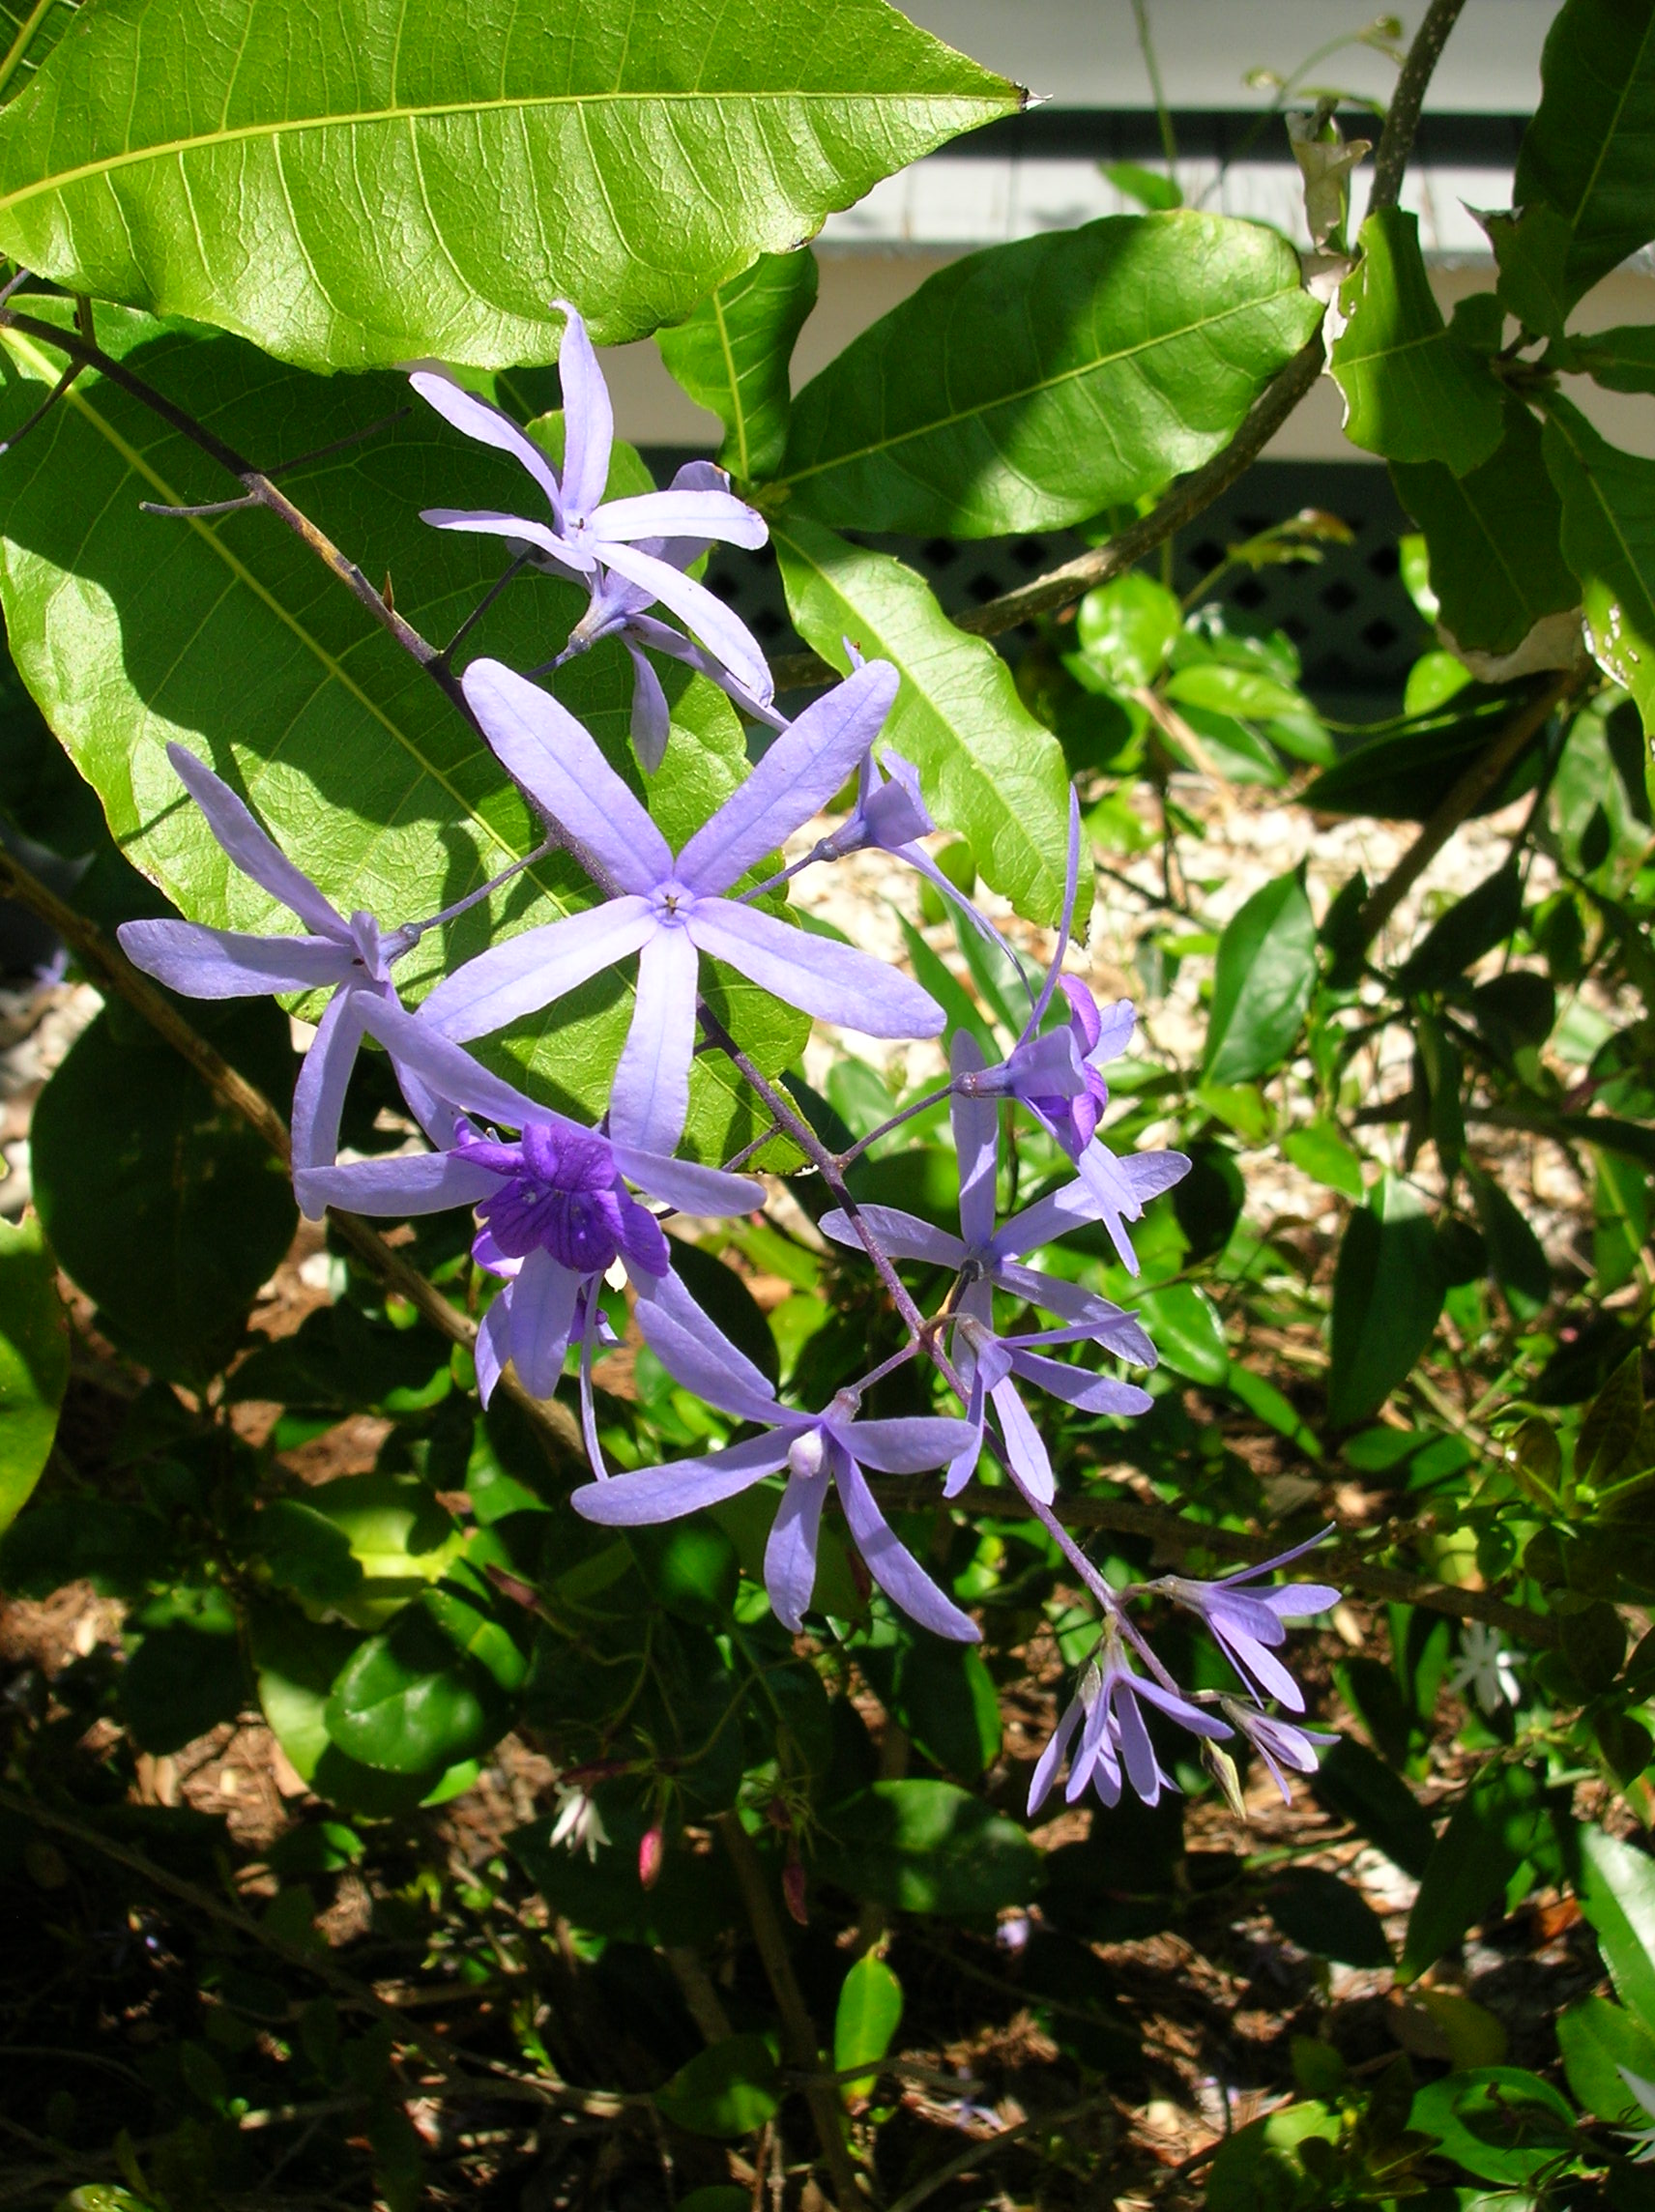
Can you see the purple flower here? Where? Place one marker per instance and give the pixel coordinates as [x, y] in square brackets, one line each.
[1247, 1622]
[889, 812]
[589, 537]
[1057, 1077]
[817, 1449]
[355, 957]
[553, 1210]
[672, 909]
[1279, 1743]
[1114, 1741]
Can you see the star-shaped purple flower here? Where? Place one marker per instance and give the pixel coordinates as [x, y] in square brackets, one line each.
[1246, 1620]
[1113, 1739]
[553, 1210]
[593, 537]
[672, 909]
[353, 957]
[817, 1451]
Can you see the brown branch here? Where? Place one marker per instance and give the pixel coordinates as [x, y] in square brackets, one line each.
[110, 967]
[1461, 802]
[799, 2031]
[1402, 117]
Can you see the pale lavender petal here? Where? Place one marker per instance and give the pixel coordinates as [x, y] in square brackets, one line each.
[561, 769]
[1115, 1026]
[680, 513]
[252, 849]
[588, 1410]
[1232, 1607]
[795, 779]
[680, 1183]
[1090, 1393]
[1073, 1207]
[760, 704]
[1051, 1757]
[229, 963]
[529, 971]
[319, 1094]
[698, 609]
[452, 1074]
[1261, 1671]
[891, 1564]
[910, 1444]
[697, 1353]
[1071, 884]
[1196, 1718]
[1084, 1015]
[1301, 1601]
[961, 1468]
[1024, 1446]
[397, 1188]
[976, 1140]
[517, 529]
[1095, 1743]
[648, 1101]
[901, 1236]
[542, 1316]
[1152, 1173]
[492, 1348]
[1105, 1323]
[477, 420]
[588, 418]
[1137, 1752]
[651, 716]
[790, 1556]
[653, 1494]
[1281, 1558]
[833, 981]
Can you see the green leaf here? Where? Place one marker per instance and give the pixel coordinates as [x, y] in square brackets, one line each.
[1493, 1829]
[1620, 359]
[1617, 1890]
[990, 770]
[1597, 2039]
[1188, 1334]
[181, 1682]
[1128, 627]
[868, 2014]
[1412, 391]
[408, 178]
[1485, 916]
[1611, 1429]
[1531, 246]
[1403, 773]
[1608, 540]
[1259, 2165]
[163, 1205]
[927, 1846]
[29, 29]
[1594, 1643]
[1122, 354]
[1387, 1293]
[1493, 535]
[1320, 1151]
[947, 1700]
[1328, 1917]
[732, 356]
[1587, 151]
[1148, 187]
[1361, 1789]
[1498, 2122]
[412, 1699]
[295, 1661]
[727, 2091]
[1517, 1258]
[1240, 691]
[1261, 989]
[401, 1538]
[34, 1361]
[130, 631]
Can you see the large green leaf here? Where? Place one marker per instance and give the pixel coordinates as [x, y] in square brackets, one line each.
[927, 1846]
[1608, 540]
[989, 769]
[1617, 1896]
[1387, 1293]
[165, 1207]
[295, 1661]
[419, 1696]
[1586, 152]
[230, 637]
[1412, 391]
[1030, 385]
[731, 355]
[1596, 2040]
[1495, 1827]
[29, 29]
[1620, 359]
[1492, 534]
[1265, 974]
[868, 2016]
[725, 2091]
[34, 1361]
[386, 179]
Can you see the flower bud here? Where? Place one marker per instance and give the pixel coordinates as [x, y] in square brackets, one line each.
[649, 1855]
[793, 1891]
[1222, 1768]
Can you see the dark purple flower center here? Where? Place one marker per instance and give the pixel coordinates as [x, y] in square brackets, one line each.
[561, 1194]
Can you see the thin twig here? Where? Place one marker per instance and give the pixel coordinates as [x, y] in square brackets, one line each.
[1402, 117]
[1459, 803]
[798, 2030]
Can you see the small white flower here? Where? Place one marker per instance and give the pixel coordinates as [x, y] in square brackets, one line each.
[1645, 2137]
[578, 1822]
[1484, 1668]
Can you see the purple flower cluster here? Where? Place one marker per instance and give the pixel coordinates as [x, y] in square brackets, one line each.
[562, 1210]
